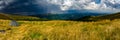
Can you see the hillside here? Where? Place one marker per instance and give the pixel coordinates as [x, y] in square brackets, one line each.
[21, 18]
[60, 29]
[52, 17]
[103, 17]
[109, 17]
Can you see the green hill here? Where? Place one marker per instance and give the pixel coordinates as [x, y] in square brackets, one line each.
[86, 18]
[21, 18]
[100, 18]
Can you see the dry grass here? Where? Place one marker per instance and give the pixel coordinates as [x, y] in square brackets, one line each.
[61, 30]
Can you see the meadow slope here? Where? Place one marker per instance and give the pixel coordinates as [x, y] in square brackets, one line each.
[61, 30]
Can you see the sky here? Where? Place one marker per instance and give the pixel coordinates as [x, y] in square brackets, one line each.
[100, 5]
[60, 6]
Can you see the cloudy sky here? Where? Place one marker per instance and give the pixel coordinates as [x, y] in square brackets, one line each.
[64, 5]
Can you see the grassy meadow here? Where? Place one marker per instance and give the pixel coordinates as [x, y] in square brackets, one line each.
[32, 29]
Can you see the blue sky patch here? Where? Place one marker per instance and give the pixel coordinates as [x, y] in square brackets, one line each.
[97, 1]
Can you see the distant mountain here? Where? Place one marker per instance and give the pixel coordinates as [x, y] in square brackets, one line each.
[71, 16]
[66, 16]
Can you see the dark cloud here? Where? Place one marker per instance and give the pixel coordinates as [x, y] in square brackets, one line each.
[56, 6]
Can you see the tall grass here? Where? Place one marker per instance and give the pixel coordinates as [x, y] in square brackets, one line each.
[61, 30]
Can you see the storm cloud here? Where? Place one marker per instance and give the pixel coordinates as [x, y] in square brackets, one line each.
[55, 6]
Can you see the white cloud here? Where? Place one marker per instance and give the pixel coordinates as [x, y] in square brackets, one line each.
[57, 5]
[87, 4]
[91, 5]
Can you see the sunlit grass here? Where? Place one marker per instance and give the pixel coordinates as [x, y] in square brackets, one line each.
[32, 28]
[61, 30]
